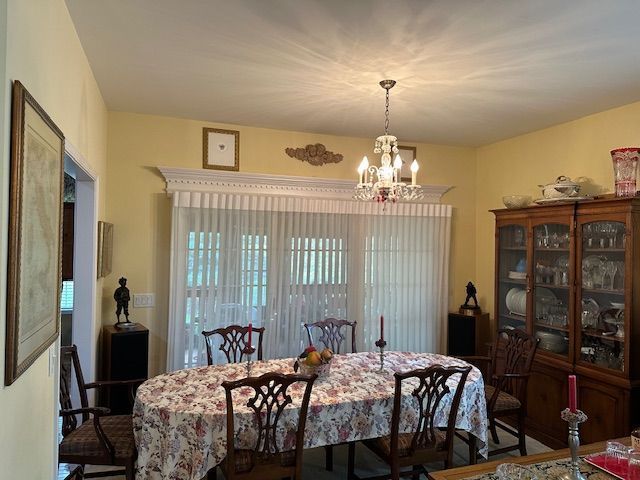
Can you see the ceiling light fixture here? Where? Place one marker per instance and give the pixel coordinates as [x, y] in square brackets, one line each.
[384, 183]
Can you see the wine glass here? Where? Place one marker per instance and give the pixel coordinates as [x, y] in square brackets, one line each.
[610, 269]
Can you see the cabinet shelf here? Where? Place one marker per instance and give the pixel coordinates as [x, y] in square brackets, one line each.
[516, 249]
[600, 334]
[513, 280]
[552, 286]
[619, 293]
[603, 250]
[551, 327]
[550, 249]
[510, 316]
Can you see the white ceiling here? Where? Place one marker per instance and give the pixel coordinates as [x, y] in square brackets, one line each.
[469, 72]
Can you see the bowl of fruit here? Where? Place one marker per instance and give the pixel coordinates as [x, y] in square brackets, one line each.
[312, 361]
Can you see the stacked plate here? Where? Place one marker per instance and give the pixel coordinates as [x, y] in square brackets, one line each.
[516, 301]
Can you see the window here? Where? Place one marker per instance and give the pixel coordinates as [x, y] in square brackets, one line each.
[66, 297]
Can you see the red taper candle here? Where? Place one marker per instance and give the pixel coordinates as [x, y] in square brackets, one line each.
[250, 330]
[573, 394]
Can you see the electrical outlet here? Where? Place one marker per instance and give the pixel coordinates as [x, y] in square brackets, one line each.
[144, 300]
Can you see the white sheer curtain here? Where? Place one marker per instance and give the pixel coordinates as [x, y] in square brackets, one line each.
[281, 261]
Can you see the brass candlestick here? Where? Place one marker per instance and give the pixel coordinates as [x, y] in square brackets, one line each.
[574, 419]
[381, 344]
[248, 351]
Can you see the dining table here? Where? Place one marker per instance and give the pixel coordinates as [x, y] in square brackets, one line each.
[179, 418]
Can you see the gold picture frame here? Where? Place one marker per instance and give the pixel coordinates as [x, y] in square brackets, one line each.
[408, 155]
[220, 149]
[105, 248]
[34, 276]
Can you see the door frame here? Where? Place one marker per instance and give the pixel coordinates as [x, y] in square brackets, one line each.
[84, 325]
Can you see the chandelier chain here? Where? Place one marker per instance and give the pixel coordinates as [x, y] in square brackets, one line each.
[386, 114]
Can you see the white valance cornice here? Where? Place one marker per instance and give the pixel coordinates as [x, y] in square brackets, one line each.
[220, 181]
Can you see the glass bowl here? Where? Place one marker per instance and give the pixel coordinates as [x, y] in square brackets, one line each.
[513, 471]
[516, 201]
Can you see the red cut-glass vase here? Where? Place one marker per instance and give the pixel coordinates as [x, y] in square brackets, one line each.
[625, 169]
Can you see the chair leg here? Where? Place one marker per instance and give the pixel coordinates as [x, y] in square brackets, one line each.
[416, 472]
[130, 471]
[522, 438]
[328, 458]
[473, 449]
[351, 460]
[494, 432]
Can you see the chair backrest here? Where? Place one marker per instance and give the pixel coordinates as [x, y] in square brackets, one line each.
[234, 341]
[431, 390]
[70, 367]
[331, 332]
[267, 396]
[513, 352]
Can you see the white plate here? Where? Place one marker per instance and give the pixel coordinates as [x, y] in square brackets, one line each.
[542, 201]
[618, 305]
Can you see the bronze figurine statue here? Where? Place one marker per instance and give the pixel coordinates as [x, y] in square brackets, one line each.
[121, 296]
[471, 295]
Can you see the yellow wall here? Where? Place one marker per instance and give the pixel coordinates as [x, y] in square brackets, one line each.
[579, 149]
[44, 53]
[141, 211]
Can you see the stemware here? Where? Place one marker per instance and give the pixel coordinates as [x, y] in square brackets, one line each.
[610, 269]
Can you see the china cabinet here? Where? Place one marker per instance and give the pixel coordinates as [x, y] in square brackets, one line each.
[565, 273]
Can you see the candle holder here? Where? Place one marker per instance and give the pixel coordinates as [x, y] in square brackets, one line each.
[381, 344]
[248, 351]
[574, 419]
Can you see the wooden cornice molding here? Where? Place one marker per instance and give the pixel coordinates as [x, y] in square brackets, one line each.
[200, 180]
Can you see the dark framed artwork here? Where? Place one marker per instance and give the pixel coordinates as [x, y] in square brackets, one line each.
[105, 248]
[408, 155]
[220, 149]
[34, 276]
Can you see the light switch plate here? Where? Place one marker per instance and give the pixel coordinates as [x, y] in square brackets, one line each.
[144, 300]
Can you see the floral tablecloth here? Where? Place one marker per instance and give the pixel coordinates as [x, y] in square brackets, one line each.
[179, 418]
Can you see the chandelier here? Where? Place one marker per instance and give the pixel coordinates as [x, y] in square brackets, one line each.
[384, 183]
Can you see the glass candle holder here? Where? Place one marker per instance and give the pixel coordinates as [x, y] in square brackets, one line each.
[625, 168]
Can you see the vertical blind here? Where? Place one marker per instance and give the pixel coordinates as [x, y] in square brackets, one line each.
[279, 262]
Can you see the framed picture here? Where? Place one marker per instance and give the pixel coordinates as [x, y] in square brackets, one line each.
[220, 149]
[408, 155]
[105, 248]
[35, 234]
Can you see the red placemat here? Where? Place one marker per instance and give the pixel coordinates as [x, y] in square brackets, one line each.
[618, 471]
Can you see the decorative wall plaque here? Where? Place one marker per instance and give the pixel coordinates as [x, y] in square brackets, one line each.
[314, 154]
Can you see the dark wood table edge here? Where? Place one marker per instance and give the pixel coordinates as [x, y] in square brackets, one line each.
[489, 467]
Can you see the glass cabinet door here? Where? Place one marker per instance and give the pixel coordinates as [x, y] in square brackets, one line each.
[602, 298]
[512, 277]
[551, 287]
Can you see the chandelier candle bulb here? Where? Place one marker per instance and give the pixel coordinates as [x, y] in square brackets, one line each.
[414, 171]
[397, 166]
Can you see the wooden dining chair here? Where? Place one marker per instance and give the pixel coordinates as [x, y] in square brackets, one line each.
[426, 443]
[100, 439]
[332, 333]
[234, 341]
[267, 397]
[509, 369]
